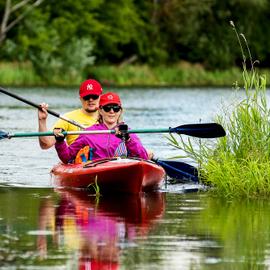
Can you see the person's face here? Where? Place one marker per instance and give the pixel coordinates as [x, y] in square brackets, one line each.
[90, 103]
[110, 113]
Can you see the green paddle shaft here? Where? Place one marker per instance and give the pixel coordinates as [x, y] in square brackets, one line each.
[208, 130]
[50, 133]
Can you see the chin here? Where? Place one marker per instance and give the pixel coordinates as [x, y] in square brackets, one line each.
[111, 121]
[90, 110]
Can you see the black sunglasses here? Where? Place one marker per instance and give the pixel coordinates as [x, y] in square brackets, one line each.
[94, 97]
[107, 108]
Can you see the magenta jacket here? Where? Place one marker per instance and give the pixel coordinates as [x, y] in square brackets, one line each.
[103, 145]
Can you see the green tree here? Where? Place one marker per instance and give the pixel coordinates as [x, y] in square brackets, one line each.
[52, 43]
[147, 31]
[219, 41]
[14, 13]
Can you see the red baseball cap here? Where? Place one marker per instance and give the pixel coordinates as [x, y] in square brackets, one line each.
[109, 98]
[95, 264]
[90, 87]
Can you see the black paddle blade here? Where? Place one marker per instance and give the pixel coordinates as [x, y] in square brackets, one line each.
[179, 170]
[208, 130]
[3, 135]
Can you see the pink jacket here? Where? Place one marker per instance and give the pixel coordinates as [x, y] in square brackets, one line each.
[103, 145]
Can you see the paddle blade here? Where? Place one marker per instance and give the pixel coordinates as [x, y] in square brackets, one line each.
[3, 135]
[208, 130]
[179, 170]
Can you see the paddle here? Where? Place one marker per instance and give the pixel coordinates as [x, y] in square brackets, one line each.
[178, 170]
[210, 130]
[38, 107]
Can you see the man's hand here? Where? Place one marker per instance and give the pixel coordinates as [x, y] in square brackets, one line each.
[42, 112]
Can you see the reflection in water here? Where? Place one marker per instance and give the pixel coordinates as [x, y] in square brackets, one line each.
[98, 228]
[238, 234]
[41, 229]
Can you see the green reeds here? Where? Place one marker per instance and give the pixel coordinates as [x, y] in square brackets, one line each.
[238, 165]
[95, 186]
[18, 74]
[182, 74]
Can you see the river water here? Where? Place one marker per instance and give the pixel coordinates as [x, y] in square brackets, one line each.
[42, 228]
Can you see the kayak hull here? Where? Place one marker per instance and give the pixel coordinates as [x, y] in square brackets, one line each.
[111, 175]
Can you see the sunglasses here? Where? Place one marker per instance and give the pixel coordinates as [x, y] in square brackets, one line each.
[107, 108]
[94, 97]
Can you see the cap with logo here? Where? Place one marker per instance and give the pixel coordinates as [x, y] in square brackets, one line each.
[109, 98]
[90, 87]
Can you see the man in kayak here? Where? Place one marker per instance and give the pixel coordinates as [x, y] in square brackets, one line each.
[90, 91]
[104, 145]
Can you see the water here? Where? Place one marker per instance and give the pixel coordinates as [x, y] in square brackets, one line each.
[44, 228]
[23, 163]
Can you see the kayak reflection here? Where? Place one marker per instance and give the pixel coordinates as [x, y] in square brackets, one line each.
[99, 228]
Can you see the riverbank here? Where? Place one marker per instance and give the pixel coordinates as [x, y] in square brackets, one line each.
[182, 75]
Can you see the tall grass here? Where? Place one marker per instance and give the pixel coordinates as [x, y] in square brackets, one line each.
[183, 74]
[238, 165]
[18, 74]
[24, 74]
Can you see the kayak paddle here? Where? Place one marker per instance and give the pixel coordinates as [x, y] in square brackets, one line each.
[209, 130]
[178, 170]
[38, 107]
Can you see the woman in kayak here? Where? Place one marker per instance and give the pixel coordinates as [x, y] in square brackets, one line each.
[104, 145]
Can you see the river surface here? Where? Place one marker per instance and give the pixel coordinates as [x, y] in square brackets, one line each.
[44, 228]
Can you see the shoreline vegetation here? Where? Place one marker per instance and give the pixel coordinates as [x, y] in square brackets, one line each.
[183, 74]
[237, 165]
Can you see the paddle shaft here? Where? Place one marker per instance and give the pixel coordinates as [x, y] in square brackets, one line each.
[39, 107]
[110, 131]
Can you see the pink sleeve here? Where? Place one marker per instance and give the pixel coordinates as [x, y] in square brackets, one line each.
[68, 153]
[135, 147]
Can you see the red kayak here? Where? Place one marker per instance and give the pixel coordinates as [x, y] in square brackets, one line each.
[112, 175]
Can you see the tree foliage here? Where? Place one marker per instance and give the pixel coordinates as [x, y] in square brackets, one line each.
[70, 35]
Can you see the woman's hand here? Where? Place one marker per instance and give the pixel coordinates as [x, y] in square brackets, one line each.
[121, 131]
[59, 136]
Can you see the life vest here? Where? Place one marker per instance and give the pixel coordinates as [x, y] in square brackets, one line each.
[84, 155]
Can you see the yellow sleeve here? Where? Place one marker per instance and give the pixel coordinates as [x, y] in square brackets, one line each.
[77, 116]
[61, 124]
